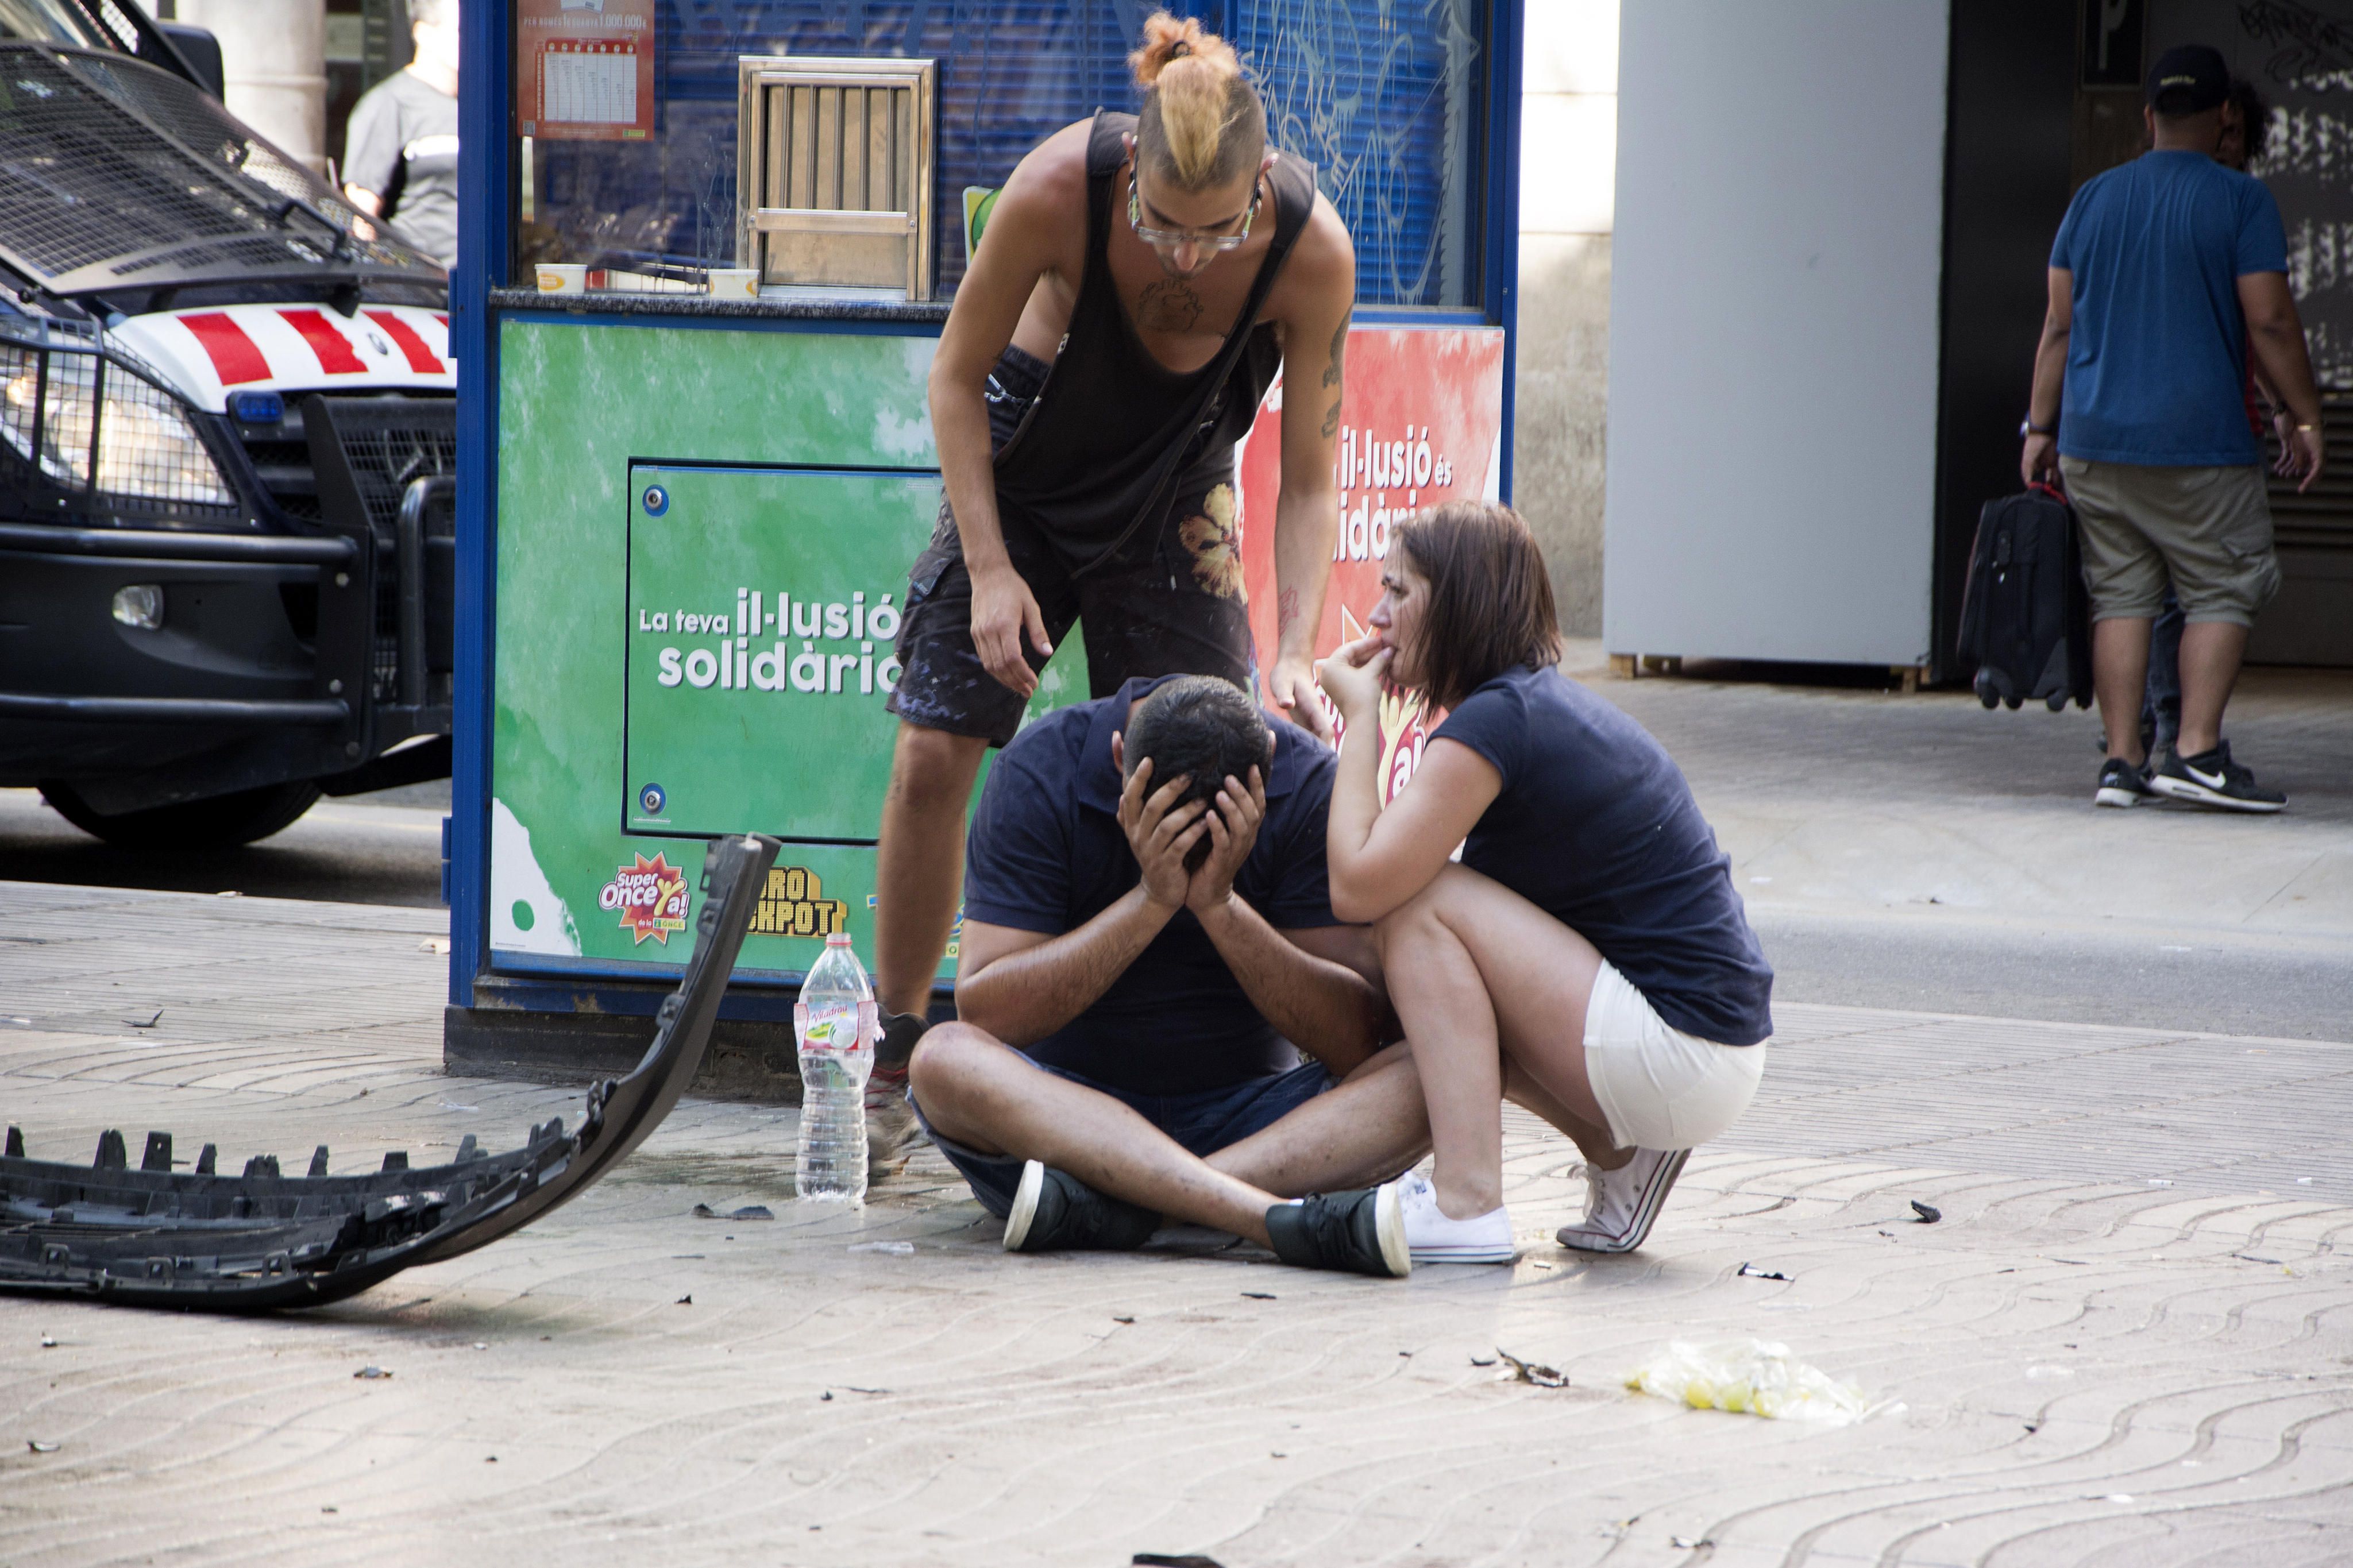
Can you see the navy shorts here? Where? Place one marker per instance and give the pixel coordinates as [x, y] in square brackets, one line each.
[1202, 1123]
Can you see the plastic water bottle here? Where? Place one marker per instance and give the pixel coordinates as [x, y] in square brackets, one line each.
[837, 1026]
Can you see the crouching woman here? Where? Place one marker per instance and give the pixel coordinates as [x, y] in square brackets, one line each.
[1588, 958]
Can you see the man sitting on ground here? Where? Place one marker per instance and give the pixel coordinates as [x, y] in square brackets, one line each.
[1147, 937]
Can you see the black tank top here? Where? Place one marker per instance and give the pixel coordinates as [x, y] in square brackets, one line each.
[1115, 436]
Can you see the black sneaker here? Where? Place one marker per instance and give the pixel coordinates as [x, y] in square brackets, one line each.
[1360, 1232]
[2212, 778]
[900, 1033]
[1055, 1212]
[2121, 784]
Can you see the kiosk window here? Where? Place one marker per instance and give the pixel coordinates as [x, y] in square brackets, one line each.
[1388, 100]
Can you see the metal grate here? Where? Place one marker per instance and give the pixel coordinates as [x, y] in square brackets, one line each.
[98, 423]
[148, 452]
[282, 464]
[385, 459]
[100, 159]
[2322, 517]
[834, 171]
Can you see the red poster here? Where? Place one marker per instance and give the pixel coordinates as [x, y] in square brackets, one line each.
[584, 70]
[1424, 425]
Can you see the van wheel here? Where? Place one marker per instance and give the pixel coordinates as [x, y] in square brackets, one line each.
[220, 822]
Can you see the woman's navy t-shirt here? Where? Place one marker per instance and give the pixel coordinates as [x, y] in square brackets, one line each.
[1596, 826]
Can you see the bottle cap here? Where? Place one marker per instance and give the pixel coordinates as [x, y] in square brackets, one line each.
[837, 939]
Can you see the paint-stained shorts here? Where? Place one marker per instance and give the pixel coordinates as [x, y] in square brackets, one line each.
[2208, 531]
[1170, 603]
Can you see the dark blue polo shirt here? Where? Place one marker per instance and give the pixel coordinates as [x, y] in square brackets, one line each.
[1046, 854]
[1596, 826]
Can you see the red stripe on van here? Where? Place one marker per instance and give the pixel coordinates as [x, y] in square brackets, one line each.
[233, 356]
[421, 359]
[333, 349]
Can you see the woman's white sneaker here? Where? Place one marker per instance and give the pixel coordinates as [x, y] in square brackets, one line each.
[1621, 1206]
[1434, 1238]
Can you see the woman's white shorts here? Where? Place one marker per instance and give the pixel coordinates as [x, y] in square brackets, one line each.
[1660, 1087]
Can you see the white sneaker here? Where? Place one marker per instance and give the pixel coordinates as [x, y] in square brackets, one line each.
[1433, 1238]
[1621, 1206]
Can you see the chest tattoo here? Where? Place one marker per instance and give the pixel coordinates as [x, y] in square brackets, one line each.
[1168, 305]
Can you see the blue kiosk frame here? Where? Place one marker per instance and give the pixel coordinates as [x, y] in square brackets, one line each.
[592, 1015]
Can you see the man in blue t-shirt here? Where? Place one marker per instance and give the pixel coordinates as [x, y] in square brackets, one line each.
[2166, 273]
[1148, 945]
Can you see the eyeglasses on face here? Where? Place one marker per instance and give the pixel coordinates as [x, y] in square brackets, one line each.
[1169, 238]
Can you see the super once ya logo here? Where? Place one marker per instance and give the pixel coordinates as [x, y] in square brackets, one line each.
[821, 664]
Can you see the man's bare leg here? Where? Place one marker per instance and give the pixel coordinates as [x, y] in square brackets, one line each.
[2120, 679]
[919, 864]
[978, 1093]
[1358, 1134]
[2211, 652]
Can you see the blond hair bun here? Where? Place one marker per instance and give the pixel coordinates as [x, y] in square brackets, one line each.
[1202, 123]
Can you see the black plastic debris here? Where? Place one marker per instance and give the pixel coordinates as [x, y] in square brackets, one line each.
[1929, 1213]
[1154, 1559]
[749, 1211]
[371, 1373]
[1543, 1376]
[1259, 1295]
[162, 1237]
[40, 1448]
[1750, 1272]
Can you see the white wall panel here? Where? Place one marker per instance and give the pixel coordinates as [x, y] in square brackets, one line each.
[1773, 329]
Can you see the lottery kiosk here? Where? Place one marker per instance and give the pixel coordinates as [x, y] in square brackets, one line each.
[706, 253]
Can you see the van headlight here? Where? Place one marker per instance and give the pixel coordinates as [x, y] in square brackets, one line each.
[148, 448]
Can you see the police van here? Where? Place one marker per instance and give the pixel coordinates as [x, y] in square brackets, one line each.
[226, 448]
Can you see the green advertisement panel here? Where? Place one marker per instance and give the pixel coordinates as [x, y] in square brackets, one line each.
[796, 466]
[762, 608]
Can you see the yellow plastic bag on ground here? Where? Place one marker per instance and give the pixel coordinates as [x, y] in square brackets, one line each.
[1756, 1376]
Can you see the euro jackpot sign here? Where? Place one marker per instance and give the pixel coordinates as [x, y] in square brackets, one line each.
[793, 903]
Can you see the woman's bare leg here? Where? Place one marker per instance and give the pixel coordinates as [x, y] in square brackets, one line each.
[1474, 971]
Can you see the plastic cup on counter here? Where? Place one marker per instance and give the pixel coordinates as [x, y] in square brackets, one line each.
[734, 282]
[561, 276]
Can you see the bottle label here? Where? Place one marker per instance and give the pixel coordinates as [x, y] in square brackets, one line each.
[835, 1028]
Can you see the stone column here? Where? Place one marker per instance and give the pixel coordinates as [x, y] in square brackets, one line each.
[274, 55]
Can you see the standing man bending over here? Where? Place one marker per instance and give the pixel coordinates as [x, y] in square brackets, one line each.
[1148, 933]
[2166, 271]
[1142, 280]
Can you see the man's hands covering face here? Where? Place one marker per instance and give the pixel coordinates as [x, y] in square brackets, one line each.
[1161, 836]
[1233, 828]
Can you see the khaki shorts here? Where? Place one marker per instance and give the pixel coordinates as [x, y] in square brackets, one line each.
[1659, 1088]
[2206, 531]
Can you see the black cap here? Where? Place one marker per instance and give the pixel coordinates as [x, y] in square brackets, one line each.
[2188, 80]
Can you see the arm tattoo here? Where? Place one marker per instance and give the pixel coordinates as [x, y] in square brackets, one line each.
[1286, 610]
[1339, 348]
[1331, 377]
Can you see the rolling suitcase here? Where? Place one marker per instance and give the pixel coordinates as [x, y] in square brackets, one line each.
[2026, 617]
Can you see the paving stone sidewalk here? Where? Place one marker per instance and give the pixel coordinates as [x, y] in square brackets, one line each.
[2128, 1341]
